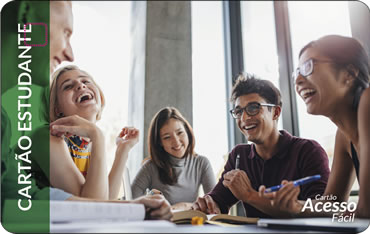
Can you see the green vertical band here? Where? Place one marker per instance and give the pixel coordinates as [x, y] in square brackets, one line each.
[24, 116]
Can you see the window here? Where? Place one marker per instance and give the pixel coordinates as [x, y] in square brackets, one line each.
[259, 41]
[309, 21]
[209, 92]
[101, 47]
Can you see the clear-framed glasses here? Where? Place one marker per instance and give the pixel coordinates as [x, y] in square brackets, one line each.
[251, 109]
[306, 68]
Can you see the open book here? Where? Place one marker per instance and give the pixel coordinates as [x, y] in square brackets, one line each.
[184, 217]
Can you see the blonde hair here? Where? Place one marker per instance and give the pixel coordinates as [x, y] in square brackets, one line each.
[53, 91]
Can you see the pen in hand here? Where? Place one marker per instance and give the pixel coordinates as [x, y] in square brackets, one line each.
[237, 162]
[296, 183]
[149, 192]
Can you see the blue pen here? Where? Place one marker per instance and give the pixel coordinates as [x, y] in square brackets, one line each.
[296, 183]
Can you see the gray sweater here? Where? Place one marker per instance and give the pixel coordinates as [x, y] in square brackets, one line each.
[191, 173]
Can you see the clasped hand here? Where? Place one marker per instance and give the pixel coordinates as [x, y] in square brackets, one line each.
[73, 125]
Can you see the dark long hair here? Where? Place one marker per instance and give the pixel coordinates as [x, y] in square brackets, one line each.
[156, 151]
[345, 51]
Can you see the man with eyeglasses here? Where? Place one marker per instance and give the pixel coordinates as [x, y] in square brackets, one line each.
[272, 157]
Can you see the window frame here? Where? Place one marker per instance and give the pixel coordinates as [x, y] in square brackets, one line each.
[360, 27]
[234, 58]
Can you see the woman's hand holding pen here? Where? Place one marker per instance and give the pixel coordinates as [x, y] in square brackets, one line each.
[152, 192]
[286, 199]
[239, 184]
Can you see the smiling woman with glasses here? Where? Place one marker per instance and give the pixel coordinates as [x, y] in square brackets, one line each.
[340, 92]
[306, 68]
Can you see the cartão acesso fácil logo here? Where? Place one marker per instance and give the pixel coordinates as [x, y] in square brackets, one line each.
[342, 211]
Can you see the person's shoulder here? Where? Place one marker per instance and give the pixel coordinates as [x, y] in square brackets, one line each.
[307, 145]
[341, 141]
[301, 141]
[307, 151]
[364, 103]
[366, 93]
[200, 159]
[307, 142]
[148, 168]
[148, 164]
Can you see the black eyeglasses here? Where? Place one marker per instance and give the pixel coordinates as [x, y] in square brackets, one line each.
[251, 109]
[306, 68]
